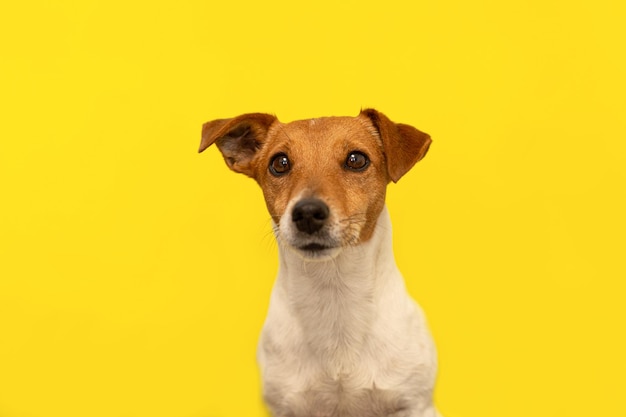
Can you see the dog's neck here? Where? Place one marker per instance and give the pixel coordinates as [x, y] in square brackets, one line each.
[335, 300]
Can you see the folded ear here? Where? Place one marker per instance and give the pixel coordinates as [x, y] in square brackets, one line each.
[238, 139]
[403, 145]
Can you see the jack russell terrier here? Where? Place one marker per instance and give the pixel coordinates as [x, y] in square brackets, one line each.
[342, 337]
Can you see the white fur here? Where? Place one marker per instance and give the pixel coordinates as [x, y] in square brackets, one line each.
[342, 336]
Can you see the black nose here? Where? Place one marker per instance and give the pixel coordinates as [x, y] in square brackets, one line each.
[309, 215]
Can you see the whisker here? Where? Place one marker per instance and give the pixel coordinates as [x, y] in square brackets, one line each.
[270, 235]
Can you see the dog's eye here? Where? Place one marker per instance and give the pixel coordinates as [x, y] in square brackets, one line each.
[279, 165]
[357, 161]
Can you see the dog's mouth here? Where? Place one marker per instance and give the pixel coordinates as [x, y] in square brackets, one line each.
[315, 250]
[314, 247]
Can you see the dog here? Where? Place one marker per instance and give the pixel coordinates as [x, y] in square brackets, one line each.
[342, 337]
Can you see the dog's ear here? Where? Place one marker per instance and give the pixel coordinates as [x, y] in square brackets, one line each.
[238, 138]
[403, 145]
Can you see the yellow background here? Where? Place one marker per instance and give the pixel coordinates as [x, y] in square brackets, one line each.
[135, 273]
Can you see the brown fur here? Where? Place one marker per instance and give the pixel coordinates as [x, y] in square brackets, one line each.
[317, 150]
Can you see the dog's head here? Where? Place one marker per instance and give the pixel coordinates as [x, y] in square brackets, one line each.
[324, 180]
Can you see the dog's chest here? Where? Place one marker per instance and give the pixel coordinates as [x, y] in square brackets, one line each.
[340, 372]
[335, 399]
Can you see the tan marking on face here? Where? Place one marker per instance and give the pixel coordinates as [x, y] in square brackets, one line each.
[317, 152]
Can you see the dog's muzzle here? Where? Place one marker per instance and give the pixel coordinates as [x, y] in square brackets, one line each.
[310, 215]
[310, 229]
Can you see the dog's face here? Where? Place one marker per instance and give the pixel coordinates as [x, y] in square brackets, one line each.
[324, 180]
